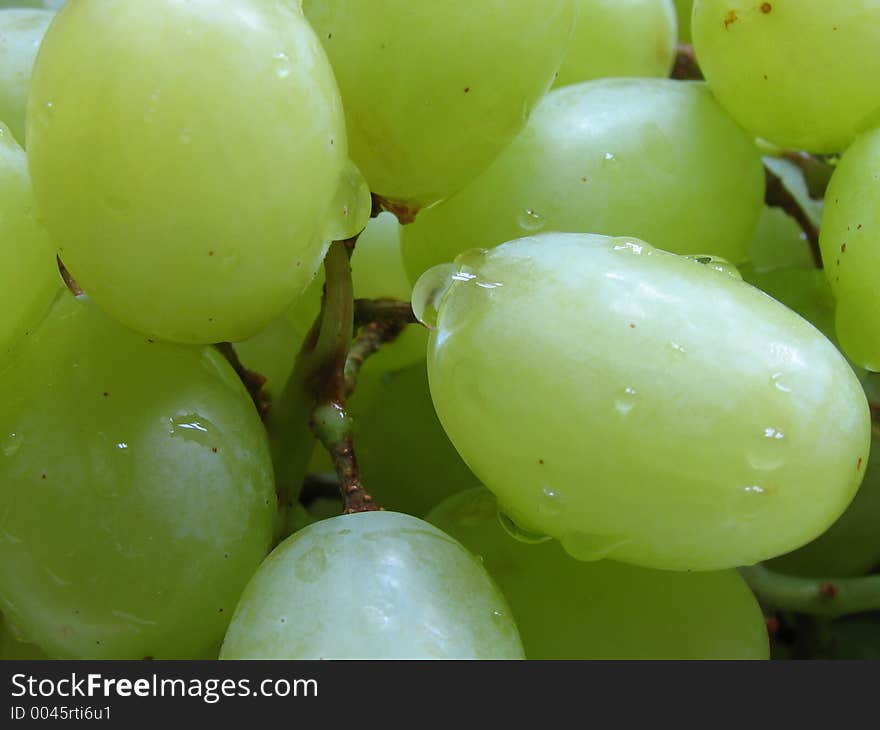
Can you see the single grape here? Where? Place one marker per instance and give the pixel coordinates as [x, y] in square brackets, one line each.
[778, 243]
[620, 38]
[377, 273]
[406, 460]
[28, 272]
[376, 585]
[21, 32]
[683, 9]
[433, 92]
[652, 158]
[850, 243]
[638, 405]
[567, 609]
[136, 489]
[799, 73]
[190, 160]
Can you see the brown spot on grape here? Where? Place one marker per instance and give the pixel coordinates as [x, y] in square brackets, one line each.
[467, 89]
[215, 449]
[859, 465]
[828, 590]
[731, 18]
[766, 8]
[843, 248]
[541, 462]
[43, 476]
[632, 325]
[105, 394]
[210, 253]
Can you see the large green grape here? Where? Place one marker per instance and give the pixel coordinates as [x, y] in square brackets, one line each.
[653, 158]
[28, 272]
[135, 488]
[405, 456]
[850, 242]
[799, 73]
[434, 91]
[620, 38]
[567, 609]
[376, 585]
[21, 32]
[190, 160]
[639, 405]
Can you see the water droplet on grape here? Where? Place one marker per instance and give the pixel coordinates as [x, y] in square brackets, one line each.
[678, 347]
[194, 428]
[429, 291]
[12, 445]
[770, 450]
[519, 533]
[592, 547]
[626, 402]
[551, 503]
[716, 263]
[610, 157]
[282, 65]
[777, 380]
[531, 220]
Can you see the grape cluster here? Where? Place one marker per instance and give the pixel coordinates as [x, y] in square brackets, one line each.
[601, 343]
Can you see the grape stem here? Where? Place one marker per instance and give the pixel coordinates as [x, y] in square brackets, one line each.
[830, 598]
[776, 195]
[404, 212]
[324, 357]
[817, 171]
[686, 67]
[252, 380]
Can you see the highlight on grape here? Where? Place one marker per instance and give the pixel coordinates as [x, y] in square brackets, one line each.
[489, 329]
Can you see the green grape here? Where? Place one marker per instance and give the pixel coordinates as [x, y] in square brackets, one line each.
[778, 243]
[851, 546]
[14, 647]
[620, 38]
[638, 405]
[850, 243]
[652, 158]
[375, 585]
[566, 609]
[378, 273]
[683, 8]
[21, 32]
[406, 460]
[799, 73]
[136, 490]
[433, 92]
[28, 272]
[190, 160]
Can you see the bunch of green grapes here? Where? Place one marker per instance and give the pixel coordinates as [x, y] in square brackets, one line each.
[675, 417]
[567, 609]
[651, 158]
[620, 38]
[434, 92]
[136, 489]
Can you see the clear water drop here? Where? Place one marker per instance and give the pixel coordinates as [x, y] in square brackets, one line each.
[551, 504]
[777, 380]
[626, 402]
[531, 220]
[519, 533]
[281, 62]
[12, 444]
[716, 263]
[768, 452]
[194, 428]
[430, 290]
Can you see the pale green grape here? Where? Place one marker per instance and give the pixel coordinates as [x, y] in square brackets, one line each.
[799, 73]
[13, 647]
[620, 38]
[378, 273]
[434, 91]
[28, 272]
[652, 158]
[639, 405]
[21, 32]
[851, 546]
[406, 460]
[190, 160]
[567, 609]
[683, 8]
[779, 243]
[850, 242]
[376, 585]
[136, 490]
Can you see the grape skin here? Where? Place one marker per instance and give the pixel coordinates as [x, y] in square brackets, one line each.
[193, 207]
[567, 609]
[614, 38]
[677, 416]
[434, 91]
[136, 489]
[799, 73]
[374, 585]
[621, 157]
